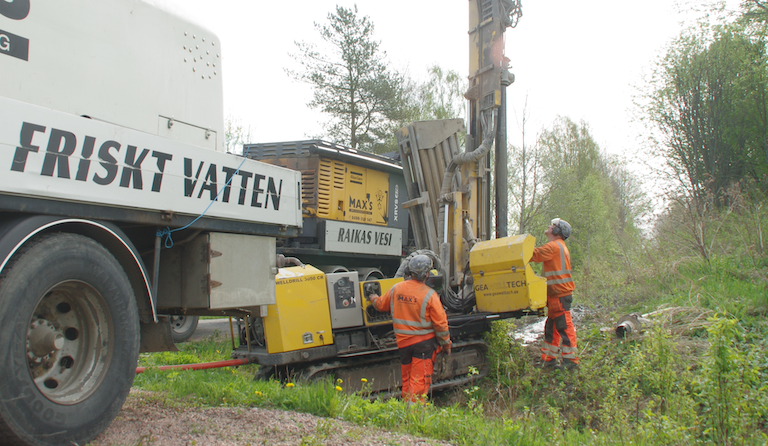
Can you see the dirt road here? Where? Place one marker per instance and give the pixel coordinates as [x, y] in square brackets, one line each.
[147, 420]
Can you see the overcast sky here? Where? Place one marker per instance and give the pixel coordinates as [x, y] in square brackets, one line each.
[576, 59]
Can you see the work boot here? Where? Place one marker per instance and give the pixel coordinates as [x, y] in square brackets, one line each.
[570, 365]
[549, 365]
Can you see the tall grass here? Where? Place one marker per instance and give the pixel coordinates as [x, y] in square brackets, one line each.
[666, 387]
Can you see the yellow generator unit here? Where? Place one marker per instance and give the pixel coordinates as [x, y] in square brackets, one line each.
[504, 281]
[301, 317]
[352, 206]
[339, 183]
[317, 309]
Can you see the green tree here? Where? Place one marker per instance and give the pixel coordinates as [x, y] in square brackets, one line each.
[708, 101]
[352, 84]
[710, 105]
[756, 10]
[527, 191]
[442, 95]
[235, 135]
[578, 189]
[596, 194]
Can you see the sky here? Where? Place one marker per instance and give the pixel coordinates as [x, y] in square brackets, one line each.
[582, 60]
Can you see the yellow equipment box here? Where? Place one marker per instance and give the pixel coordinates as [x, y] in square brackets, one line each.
[300, 318]
[504, 281]
[370, 314]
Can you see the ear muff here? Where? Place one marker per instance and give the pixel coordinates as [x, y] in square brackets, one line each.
[561, 227]
[556, 230]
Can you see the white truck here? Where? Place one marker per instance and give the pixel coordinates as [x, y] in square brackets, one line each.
[118, 206]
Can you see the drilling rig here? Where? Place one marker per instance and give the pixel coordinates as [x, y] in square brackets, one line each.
[323, 324]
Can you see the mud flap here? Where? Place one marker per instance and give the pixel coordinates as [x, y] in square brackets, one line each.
[157, 337]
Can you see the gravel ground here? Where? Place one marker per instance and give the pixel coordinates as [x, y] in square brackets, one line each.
[145, 420]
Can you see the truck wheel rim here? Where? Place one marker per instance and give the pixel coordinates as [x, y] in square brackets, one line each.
[180, 324]
[69, 342]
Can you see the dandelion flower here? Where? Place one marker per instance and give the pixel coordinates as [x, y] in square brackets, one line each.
[339, 381]
[363, 380]
[258, 393]
[289, 385]
[338, 388]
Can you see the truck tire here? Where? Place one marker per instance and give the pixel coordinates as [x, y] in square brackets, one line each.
[69, 326]
[183, 327]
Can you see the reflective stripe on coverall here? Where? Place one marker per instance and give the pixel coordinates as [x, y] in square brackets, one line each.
[559, 327]
[420, 324]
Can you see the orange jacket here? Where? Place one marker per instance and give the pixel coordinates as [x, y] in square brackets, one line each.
[417, 314]
[557, 267]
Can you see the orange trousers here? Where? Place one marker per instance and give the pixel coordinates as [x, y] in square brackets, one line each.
[416, 366]
[559, 332]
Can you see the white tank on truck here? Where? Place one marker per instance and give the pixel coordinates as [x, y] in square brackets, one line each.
[119, 207]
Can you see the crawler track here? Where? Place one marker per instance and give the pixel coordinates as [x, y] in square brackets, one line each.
[381, 369]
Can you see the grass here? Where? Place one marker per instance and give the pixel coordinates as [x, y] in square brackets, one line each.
[698, 375]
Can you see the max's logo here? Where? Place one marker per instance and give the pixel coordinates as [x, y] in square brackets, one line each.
[366, 205]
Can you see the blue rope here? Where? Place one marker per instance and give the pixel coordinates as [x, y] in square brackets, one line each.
[168, 243]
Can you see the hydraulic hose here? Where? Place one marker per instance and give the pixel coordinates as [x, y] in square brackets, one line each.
[200, 366]
[470, 157]
[450, 299]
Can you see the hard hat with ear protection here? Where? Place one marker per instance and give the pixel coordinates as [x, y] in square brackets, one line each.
[562, 228]
[419, 267]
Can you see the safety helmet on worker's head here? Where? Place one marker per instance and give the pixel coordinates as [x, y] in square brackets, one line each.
[562, 228]
[419, 267]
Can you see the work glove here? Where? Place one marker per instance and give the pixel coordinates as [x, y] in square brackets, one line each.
[447, 348]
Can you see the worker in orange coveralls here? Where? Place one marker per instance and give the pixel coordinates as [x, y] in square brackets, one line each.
[557, 270]
[420, 324]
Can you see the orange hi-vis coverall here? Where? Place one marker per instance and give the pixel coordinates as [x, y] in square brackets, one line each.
[420, 324]
[559, 327]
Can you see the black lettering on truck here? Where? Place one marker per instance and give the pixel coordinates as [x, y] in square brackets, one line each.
[108, 162]
[243, 185]
[62, 145]
[15, 10]
[132, 168]
[210, 183]
[56, 154]
[227, 182]
[189, 184]
[11, 44]
[25, 145]
[161, 159]
[85, 159]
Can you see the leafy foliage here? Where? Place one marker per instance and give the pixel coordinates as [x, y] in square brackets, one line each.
[710, 104]
[236, 135]
[571, 178]
[441, 96]
[708, 101]
[352, 83]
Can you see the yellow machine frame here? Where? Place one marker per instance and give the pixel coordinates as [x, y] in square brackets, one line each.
[504, 280]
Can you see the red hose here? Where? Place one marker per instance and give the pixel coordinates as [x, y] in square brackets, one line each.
[201, 366]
